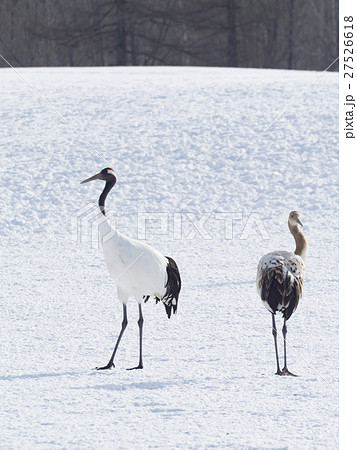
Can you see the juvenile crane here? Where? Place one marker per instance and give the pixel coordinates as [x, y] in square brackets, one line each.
[138, 270]
[280, 280]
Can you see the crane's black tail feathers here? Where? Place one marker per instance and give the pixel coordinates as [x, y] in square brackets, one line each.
[279, 290]
[173, 287]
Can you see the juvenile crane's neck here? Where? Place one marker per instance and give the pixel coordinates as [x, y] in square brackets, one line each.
[300, 241]
[108, 186]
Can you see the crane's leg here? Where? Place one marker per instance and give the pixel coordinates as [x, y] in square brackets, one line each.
[285, 370]
[141, 324]
[274, 332]
[123, 326]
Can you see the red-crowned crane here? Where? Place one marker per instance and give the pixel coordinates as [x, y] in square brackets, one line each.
[280, 280]
[138, 270]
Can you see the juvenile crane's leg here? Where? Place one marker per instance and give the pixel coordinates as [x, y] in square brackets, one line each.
[285, 370]
[141, 324]
[274, 332]
[123, 326]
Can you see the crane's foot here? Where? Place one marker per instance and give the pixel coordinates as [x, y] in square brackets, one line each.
[110, 365]
[285, 372]
[140, 366]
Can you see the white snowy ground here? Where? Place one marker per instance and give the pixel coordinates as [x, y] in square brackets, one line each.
[172, 135]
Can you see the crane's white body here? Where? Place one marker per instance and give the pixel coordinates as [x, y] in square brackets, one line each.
[291, 267]
[137, 269]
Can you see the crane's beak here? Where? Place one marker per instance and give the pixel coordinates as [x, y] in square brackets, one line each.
[297, 220]
[94, 177]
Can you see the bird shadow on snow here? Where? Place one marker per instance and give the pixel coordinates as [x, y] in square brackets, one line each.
[30, 376]
[146, 385]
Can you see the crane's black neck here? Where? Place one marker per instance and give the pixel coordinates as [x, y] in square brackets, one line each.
[108, 186]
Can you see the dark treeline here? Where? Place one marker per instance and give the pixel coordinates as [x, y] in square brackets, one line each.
[290, 34]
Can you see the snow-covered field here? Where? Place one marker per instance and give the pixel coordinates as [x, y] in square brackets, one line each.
[173, 137]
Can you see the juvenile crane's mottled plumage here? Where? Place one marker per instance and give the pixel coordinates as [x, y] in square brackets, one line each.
[280, 280]
[138, 270]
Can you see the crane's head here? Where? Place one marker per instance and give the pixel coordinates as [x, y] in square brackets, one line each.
[294, 218]
[106, 174]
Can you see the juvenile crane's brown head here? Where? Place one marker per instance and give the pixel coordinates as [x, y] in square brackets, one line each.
[294, 218]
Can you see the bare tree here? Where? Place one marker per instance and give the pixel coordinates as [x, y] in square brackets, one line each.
[293, 34]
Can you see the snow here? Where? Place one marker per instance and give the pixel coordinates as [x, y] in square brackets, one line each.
[187, 145]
